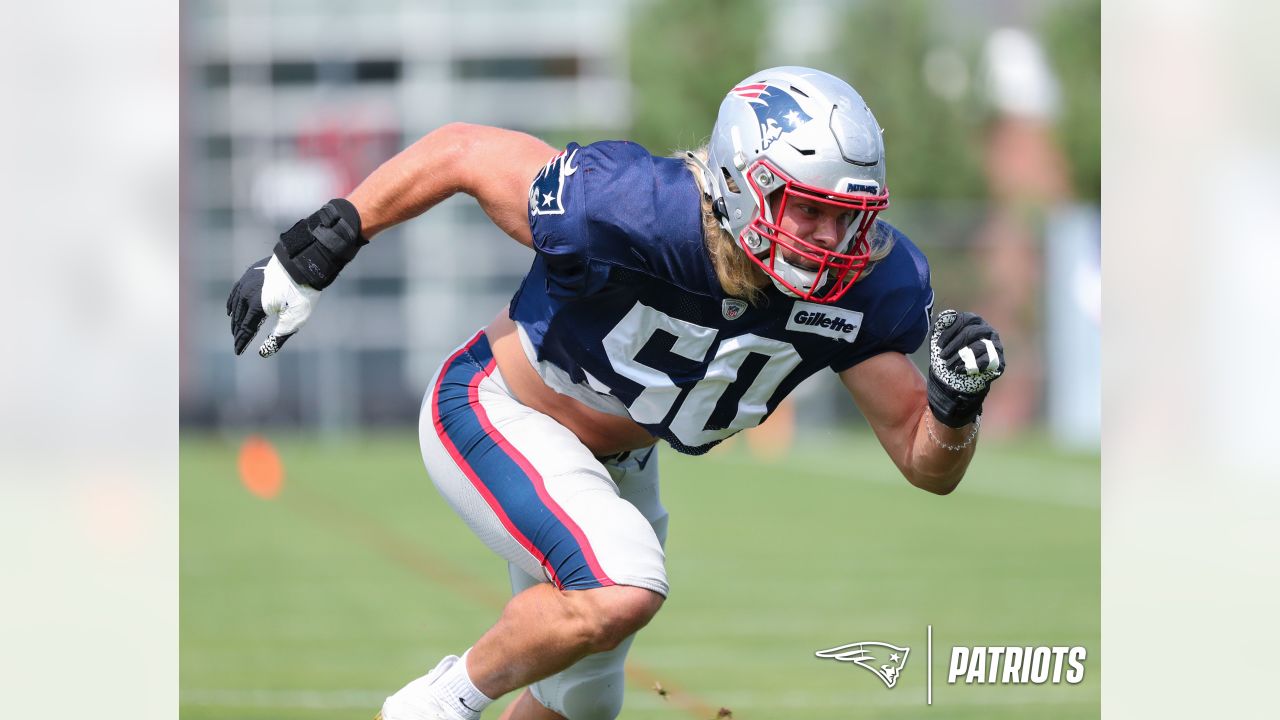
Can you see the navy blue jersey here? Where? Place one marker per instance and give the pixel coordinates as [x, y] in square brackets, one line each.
[622, 298]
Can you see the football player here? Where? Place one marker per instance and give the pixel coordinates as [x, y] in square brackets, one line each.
[670, 298]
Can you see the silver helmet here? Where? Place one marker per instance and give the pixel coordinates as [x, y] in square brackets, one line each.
[791, 133]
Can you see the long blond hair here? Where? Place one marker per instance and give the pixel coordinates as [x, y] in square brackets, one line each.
[739, 275]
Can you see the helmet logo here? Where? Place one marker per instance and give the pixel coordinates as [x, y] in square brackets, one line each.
[776, 110]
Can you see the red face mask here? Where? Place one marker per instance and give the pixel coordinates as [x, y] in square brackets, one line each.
[834, 272]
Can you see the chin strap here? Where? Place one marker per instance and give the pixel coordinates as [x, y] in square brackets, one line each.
[806, 280]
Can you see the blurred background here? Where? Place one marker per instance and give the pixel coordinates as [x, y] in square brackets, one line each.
[991, 115]
[91, 452]
[320, 570]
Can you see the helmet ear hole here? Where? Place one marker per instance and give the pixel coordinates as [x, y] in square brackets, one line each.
[774, 201]
[775, 197]
[728, 181]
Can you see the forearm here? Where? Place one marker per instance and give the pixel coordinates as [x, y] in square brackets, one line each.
[415, 180]
[965, 357]
[938, 461]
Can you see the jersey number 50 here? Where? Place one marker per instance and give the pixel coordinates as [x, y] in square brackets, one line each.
[694, 413]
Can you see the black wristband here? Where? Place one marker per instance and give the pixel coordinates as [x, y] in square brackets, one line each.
[316, 248]
[951, 407]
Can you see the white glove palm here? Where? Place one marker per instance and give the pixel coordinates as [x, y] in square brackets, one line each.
[267, 289]
[290, 302]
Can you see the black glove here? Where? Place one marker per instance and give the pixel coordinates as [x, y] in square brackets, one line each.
[316, 249]
[244, 304]
[965, 356]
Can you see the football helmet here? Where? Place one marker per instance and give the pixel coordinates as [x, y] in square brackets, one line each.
[794, 133]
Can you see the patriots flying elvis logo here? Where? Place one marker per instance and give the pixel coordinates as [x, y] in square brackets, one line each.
[881, 658]
[775, 108]
[545, 195]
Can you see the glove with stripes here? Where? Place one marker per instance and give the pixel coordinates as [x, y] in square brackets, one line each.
[965, 356]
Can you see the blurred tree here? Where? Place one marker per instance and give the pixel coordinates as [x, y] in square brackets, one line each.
[932, 142]
[684, 56]
[1072, 37]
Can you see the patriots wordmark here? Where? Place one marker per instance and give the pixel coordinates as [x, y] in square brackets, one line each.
[999, 665]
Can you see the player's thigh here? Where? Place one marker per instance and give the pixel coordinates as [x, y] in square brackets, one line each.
[528, 487]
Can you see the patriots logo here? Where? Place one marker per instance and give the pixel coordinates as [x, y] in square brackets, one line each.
[775, 108]
[883, 659]
[547, 191]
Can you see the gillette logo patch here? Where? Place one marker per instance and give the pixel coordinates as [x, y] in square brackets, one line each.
[825, 320]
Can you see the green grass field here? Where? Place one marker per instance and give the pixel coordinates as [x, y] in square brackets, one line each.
[358, 578]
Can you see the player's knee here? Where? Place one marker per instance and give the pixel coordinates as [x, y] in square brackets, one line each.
[610, 615]
[589, 690]
[629, 610]
[599, 698]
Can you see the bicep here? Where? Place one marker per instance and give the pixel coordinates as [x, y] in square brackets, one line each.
[498, 168]
[890, 392]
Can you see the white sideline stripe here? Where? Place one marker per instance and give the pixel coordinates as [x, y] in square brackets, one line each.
[970, 361]
[1040, 697]
[371, 700]
[993, 357]
[1067, 496]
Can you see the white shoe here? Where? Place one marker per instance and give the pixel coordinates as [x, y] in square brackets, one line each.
[415, 701]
